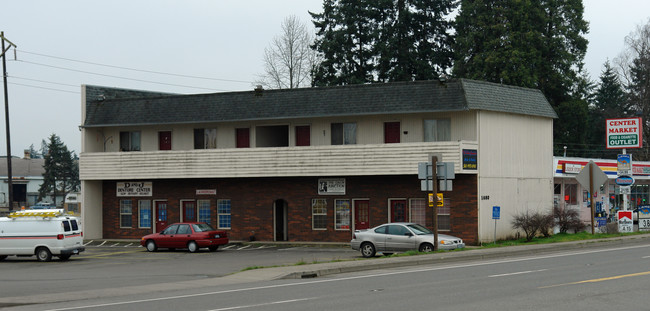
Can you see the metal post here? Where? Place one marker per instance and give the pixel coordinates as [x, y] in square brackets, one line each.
[434, 176]
[591, 195]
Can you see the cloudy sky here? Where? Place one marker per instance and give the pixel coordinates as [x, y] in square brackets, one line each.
[186, 47]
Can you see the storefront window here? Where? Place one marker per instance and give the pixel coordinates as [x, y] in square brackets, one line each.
[126, 207]
[444, 217]
[204, 211]
[319, 214]
[342, 214]
[144, 208]
[418, 211]
[223, 214]
[571, 194]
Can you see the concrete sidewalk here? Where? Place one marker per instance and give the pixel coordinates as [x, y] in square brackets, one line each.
[330, 268]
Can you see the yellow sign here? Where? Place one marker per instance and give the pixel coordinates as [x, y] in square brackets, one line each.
[439, 202]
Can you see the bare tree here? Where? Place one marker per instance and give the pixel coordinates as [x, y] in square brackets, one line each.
[289, 59]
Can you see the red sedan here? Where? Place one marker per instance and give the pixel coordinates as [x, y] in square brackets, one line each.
[190, 235]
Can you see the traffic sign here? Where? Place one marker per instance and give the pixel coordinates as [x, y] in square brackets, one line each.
[599, 177]
[496, 212]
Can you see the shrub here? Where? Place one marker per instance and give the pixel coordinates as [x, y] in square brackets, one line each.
[527, 222]
[568, 219]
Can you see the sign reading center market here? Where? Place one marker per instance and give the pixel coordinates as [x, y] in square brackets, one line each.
[134, 189]
[624, 133]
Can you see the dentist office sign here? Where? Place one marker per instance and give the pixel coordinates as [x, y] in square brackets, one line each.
[624, 133]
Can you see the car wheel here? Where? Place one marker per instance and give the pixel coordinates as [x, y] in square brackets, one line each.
[151, 246]
[64, 257]
[3, 257]
[426, 247]
[192, 247]
[367, 250]
[213, 248]
[43, 254]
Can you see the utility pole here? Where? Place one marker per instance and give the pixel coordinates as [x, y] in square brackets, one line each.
[434, 171]
[4, 76]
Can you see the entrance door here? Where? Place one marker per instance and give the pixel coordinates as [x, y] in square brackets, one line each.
[398, 212]
[161, 215]
[391, 132]
[165, 140]
[189, 211]
[361, 219]
[280, 218]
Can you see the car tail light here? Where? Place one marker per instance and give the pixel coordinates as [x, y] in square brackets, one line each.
[354, 236]
[82, 234]
[59, 236]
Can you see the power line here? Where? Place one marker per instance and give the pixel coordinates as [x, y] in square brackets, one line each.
[44, 88]
[118, 77]
[134, 69]
[43, 81]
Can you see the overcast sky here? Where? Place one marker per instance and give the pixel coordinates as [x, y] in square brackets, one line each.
[200, 46]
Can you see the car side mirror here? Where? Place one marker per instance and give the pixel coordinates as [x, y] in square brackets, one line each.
[408, 234]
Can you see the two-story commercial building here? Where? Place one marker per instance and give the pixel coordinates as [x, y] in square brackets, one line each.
[313, 164]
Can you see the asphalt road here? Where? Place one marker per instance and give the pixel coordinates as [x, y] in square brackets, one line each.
[593, 276]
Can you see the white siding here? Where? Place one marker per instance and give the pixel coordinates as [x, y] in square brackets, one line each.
[346, 160]
[515, 169]
[91, 196]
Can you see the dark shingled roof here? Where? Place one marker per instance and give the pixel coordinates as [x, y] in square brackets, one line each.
[130, 107]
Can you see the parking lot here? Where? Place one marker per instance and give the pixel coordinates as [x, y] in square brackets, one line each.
[106, 265]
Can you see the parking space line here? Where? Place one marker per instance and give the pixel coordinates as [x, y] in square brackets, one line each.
[127, 245]
[102, 243]
[245, 247]
[89, 242]
[230, 246]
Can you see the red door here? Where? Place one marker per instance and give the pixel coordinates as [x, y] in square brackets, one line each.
[243, 138]
[391, 132]
[361, 219]
[165, 140]
[161, 216]
[189, 211]
[398, 211]
[303, 135]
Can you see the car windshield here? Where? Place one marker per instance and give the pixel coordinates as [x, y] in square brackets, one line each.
[202, 227]
[419, 229]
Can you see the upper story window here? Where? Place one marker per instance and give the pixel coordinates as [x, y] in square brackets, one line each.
[437, 130]
[344, 133]
[130, 141]
[205, 138]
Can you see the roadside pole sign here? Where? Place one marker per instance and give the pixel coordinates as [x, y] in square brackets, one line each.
[624, 165]
[644, 218]
[624, 133]
[441, 201]
[496, 212]
[625, 223]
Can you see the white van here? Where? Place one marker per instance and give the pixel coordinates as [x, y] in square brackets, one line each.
[43, 233]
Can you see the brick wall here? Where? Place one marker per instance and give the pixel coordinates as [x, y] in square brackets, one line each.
[252, 202]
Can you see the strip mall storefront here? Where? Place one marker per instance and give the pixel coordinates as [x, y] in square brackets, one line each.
[286, 209]
[610, 198]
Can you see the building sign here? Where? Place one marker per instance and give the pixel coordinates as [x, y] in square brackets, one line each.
[134, 189]
[624, 133]
[644, 217]
[206, 191]
[625, 223]
[572, 168]
[470, 159]
[331, 186]
[624, 164]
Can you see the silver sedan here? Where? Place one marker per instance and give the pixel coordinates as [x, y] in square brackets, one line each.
[400, 237]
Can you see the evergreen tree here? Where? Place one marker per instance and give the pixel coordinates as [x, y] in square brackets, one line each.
[33, 153]
[639, 98]
[384, 40]
[61, 174]
[528, 43]
[610, 102]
